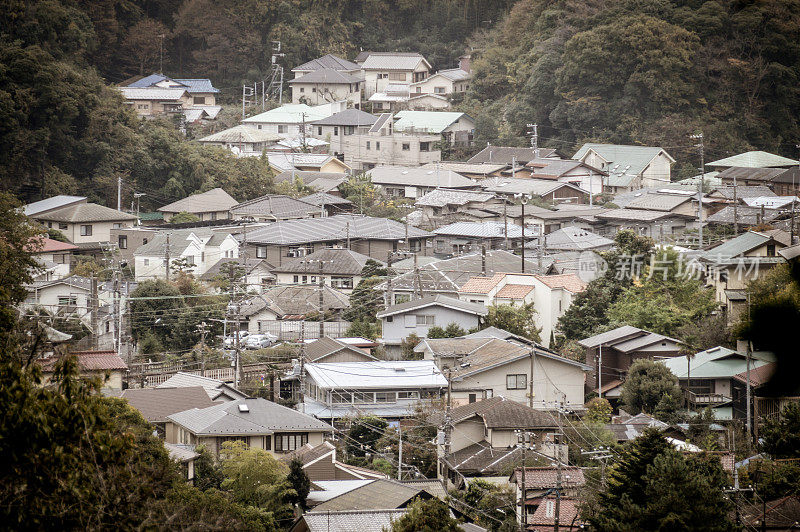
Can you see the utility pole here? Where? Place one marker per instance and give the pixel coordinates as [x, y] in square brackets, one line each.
[505, 221]
[700, 186]
[136, 196]
[95, 314]
[523, 440]
[321, 300]
[166, 257]
[534, 132]
[533, 363]
[389, 300]
[119, 192]
[202, 328]
[794, 196]
[524, 202]
[400, 452]
[161, 56]
[557, 515]
[735, 208]
[747, 390]
[600, 372]
[448, 418]
[513, 166]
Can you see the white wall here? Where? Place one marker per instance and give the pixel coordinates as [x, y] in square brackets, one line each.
[402, 325]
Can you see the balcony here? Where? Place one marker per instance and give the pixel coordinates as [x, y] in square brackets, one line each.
[706, 399]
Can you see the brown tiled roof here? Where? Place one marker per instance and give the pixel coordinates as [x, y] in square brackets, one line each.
[481, 285]
[91, 361]
[758, 376]
[380, 494]
[568, 515]
[568, 281]
[318, 349]
[499, 412]
[156, 404]
[545, 477]
[483, 458]
[47, 245]
[514, 291]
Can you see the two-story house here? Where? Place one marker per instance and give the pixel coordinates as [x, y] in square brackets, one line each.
[410, 182]
[338, 268]
[292, 120]
[382, 68]
[326, 85]
[259, 423]
[105, 365]
[274, 207]
[85, 224]
[200, 247]
[453, 127]
[54, 257]
[210, 205]
[382, 145]
[335, 128]
[202, 91]
[628, 167]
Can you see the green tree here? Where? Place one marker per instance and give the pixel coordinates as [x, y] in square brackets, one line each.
[599, 411]
[365, 301]
[364, 432]
[430, 515]
[453, 330]
[207, 471]
[493, 505]
[299, 482]
[184, 217]
[781, 435]
[651, 388]
[514, 319]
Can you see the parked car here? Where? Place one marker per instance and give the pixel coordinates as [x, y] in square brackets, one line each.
[259, 341]
[229, 342]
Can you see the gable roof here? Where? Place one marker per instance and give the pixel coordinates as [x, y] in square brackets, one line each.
[392, 61]
[348, 117]
[427, 121]
[334, 262]
[242, 133]
[261, 417]
[323, 198]
[327, 75]
[153, 93]
[754, 159]
[214, 388]
[435, 300]
[179, 241]
[276, 205]
[419, 176]
[534, 187]
[442, 197]
[349, 520]
[89, 361]
[738, 246]
[333, 228]
[43, 244]
[556, 168]
[290, 113]
[376, 375]
[490, 229]
[546, 477]
[309, 176]
[192, 85]
[156, 404]
[213, 200]
[287, 160]
[507, 154]
[625, 338]
[326, 346]
[514, 291]
[298, 300]
[85, 212]
[575, 238]
[480, 284]
[51, 203]
[567, 281]
[327, 61]
[501, 413]
[717, 362]
[751, 173]
[632, 160]
[220, 267]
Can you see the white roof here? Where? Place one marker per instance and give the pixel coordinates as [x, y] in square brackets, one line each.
[151, 93]
[291, 114]
[383, 61]
[428, 121]
[242, 133]
[334, 488]
[286, 161]
[52, 203]
[770, 202]
[384, 374]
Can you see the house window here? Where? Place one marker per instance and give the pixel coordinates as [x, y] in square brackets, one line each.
[349, 130]
[408, 395]
[377, 145]
[367, 144]
[319, 131]
[385, 397]
[473, 397]
[86, 230]
[302, 89]
[398, 76]
[419, 90]
[389, 319]
[259, 126]
[123, 242]
[336, 131]
[296, 279]
[144, 241]
[313, 279]
[341, 397]
[516, 382]
[426, 319]
[224, 439]
[406, 146]
[439, 90]
[267, 442]
[313, 89]
[147, 262]
[67, 301]
[190, 260]
[424, 146]
[199, 100]
[213, 216]
[290, 442]
[401, 298]
[62, 225]
[116, 226]
[283, 129]
[382, 76]
[305, 279]
[261, 252]
[770, 250]
[108, 327]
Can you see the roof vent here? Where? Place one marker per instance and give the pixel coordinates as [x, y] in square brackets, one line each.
[404, 172]
[244, 408]
[400, 370]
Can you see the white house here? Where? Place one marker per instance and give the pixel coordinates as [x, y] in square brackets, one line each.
[200, 247]
[382, 68]
[288, 120]
[339, 268]
[628, 167]
[325, 86]
[455, 128]
[85, 223]
[54, 257]
[345, 123]
[244, 141]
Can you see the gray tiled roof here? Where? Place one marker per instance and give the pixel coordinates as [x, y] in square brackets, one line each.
[308, 176]
[380, 494]
[499, 412]
[738, 246]
[748, 191]
[441, 197]
[298, 300]
[213, 200]
[435, 300]
[333, 228]
[351, 521]
[327, 75]
[754, 159]
[216, 389]
[575, 238]
[327, 61]
[86, 212]
[51, 203]
[348, 117]
[276, 205]
[419, 176]
[323, 198]
[482, 230]
[242, 134]
[744, 215]
[534, 187]
[156, 404]
[334, 262]
[325, 346]
[506, 154]
[392, 61]
[263, 417]
[637, 157]
[636, 215]
[219, 267]
[751, 174]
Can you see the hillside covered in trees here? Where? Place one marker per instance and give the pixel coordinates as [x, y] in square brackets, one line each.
[622, 71]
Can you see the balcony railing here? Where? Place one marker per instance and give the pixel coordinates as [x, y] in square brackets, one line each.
[706, 399]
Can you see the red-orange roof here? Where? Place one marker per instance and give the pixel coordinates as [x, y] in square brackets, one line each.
[481, 285]
[47, 245]
[514, 291]
[567, 281]
[91, 361]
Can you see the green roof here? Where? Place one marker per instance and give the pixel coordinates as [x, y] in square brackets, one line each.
[637, 157]
[151, 216]
[428, 121]
[717, 362]
[738, 246]
[754, 159]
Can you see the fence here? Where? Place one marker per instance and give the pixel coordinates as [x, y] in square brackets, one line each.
[151, 378]
[288, 330]
[769, 407]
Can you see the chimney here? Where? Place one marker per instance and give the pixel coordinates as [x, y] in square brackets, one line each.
[464, 62]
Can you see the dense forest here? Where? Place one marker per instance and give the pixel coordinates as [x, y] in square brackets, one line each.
[627, 71]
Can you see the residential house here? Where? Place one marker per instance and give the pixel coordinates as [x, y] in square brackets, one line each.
[361, 520]
[509, 155]
[51, 204]
[338, 268]
[243, 141]
[708, 379]
[286, 240]
[382, 145]
[753, 159]
[281, 310]
[274, 207]
[654, 224]
[499, 289]
[155, 404]
[202, 91]
[443, 206]
[483, 439]
[329, 204]
[326, 85]
[731, 265]
[292, 120]
[550, 220]
[546, 189]
[210, 205]
[383, 68]
[472, 170]
[388, 389]
[327, 182]
[788, 182]
[129, 239]
[407, 182]
[326, 62]
[217, 390]
[85, 224]
[628, 167]
[393, 97]
[576, 239]
[379, 494]
[332, 350]
[155, 101]
[446, 82]
[445, 277]
[105, 365]
[320, 464]
[417, 316]
[315, 162]
[482, 367]
[578, 173]
[616, 349]
[544, 517]
[200, 247]
[749, 176]
[466, 237]
[345, 123]
[625, 427]
[456, 129]
[539, 483]
[54, 257]
[259, 423]
[255, 273]
[674, 200]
